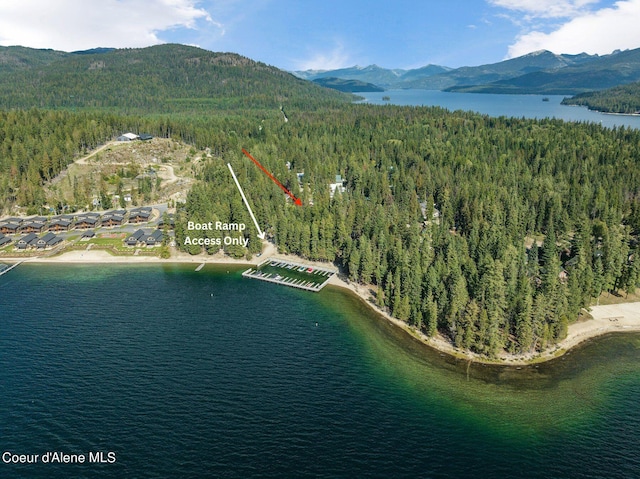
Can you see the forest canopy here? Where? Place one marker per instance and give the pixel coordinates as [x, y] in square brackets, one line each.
[620, 99]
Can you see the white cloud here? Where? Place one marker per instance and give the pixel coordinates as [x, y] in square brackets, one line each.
[81, 24]
[601, 32]
[331, 60]
[545, 8]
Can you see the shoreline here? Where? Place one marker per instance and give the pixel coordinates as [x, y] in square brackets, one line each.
[617, 318]
[623, 317]
[99, 256]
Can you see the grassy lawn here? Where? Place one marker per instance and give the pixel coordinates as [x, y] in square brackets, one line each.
[617, 298]
[105, 241]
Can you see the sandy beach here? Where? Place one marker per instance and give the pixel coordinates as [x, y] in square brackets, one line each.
[613, 318]
[101, 256]
[622, 317]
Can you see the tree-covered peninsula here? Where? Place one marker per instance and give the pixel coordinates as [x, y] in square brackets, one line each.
[493, 231]
[620, 99]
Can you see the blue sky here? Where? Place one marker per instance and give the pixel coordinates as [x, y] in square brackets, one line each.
[303, 34]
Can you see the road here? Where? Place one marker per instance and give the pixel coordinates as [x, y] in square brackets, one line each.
[83, 160]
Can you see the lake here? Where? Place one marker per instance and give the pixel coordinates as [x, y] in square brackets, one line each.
[207, 374]
[528, 106]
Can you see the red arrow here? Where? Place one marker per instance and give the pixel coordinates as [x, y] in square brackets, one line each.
[297, 201]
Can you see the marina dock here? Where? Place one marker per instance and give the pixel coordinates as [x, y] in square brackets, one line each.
[287, 273]
[9, 268]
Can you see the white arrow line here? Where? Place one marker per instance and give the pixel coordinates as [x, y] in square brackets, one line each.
[260, 232]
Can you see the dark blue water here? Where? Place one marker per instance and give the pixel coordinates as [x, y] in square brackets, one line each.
[518, 106]
[185, 374]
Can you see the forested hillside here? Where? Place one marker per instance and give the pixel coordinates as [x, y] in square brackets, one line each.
[23, 58]
[159, 79]
[36, 145]
[621, 99]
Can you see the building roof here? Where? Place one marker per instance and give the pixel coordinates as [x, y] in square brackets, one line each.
[136, 236]
[153, 238]
[128, 136]
[61, 222]
[146, 209]
[10, 226]
[87, 219]
[32, 224]
[28, 239]
[48, 237]
[48, 240]
[140, 214]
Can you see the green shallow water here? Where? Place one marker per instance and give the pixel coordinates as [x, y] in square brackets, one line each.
[520, 401]
[208, 374]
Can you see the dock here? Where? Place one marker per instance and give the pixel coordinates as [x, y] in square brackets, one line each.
[200, 267]
[291, 274]
[6, 270]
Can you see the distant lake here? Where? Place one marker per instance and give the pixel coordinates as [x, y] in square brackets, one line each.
[528, 106]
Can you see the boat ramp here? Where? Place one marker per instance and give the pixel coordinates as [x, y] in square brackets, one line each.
[287, 273]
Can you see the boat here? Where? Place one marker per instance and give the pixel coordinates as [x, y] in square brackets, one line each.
[545, 99]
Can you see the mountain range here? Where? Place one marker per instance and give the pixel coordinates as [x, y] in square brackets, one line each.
[540, 72]
[381, 77]
[178, 78]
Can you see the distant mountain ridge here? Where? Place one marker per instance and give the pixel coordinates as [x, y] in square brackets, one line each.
[590, 74]
[382, 77]
[172, 77]
[513, 68]
[347, 86]
[541, 72]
